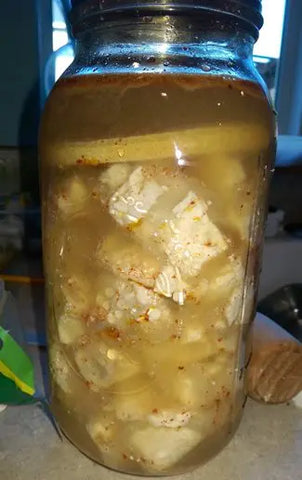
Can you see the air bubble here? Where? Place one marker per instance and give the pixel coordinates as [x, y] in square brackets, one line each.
[151, 59]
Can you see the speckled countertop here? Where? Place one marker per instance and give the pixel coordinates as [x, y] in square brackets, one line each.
[267, 446]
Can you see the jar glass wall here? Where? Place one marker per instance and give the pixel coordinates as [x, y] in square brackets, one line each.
[156, 148]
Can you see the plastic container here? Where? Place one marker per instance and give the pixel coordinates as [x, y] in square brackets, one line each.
[157, 146]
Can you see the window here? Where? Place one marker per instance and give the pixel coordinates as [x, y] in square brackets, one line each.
[268, 47]
[62, 48]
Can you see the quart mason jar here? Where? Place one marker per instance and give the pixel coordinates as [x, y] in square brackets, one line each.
[157, 145]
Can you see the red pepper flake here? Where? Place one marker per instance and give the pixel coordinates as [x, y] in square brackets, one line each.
[85, 317]
[154, 410]
[219, 339]
[112, 332]
[80, 161]
[208, 244]
[125, 456]
[89, 384]
[84, 340]
[181, 367]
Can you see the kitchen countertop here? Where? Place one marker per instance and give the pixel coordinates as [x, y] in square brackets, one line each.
[267, 446]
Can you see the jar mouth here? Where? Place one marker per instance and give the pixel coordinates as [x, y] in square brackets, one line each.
[245, 12]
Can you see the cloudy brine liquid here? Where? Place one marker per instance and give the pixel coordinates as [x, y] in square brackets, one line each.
[153, 191]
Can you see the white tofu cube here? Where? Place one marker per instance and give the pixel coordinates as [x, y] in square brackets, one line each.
[101, 429]
[133, 406]
[129, 260]
[70, 328]
[169, 418]
[192, 333]
[228, 277]
[114, 176]
[234, 306]
[164, 447]
[72, 197]
[77, 294]
[136, 310]
[132, 201]
[185, 390]
[130, 302]
[191, 238]
[60, 368]
[102, 366]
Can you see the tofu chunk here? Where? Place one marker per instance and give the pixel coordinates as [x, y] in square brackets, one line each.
[220, 282]
[229, 275]
[230, 284]
[112, 178]
[132, 201]
[169, 418]
[186, 391]
[133, 406]
[101, 429]
[102, 366]
[191, 238]
[130, 301]
[234, 306]
[202, 385]
[60, 368]
[128, 260]
[164, 358]
[193, 333]
[76, 295]
[163, 447]
[115, 175]
[136, 310]
[70, 328]
[73, 197]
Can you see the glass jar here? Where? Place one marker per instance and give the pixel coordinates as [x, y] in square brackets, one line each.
[157, 146]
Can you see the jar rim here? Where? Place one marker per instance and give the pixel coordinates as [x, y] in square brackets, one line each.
[246, 11]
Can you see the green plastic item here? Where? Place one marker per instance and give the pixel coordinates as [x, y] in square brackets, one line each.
[17, 384]
[10, 394]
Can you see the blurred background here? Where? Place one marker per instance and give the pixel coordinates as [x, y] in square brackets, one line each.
[36, 47]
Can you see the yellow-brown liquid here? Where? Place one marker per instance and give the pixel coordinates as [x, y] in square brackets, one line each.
[153, 197]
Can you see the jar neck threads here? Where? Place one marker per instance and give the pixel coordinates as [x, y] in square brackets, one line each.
[239, 15]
